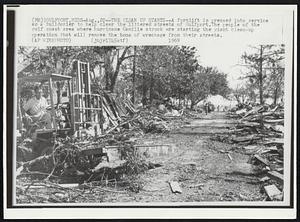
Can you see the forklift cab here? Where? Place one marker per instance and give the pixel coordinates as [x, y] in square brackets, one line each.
[59, 108]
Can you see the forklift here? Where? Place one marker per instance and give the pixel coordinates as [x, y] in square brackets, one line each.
[61, 117]
[79, 111]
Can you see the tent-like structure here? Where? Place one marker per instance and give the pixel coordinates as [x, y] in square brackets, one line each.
[220, 103]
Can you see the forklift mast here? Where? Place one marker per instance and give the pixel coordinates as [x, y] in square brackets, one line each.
[86, 108]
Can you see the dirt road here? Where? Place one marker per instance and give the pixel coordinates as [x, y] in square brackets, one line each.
[206, 170]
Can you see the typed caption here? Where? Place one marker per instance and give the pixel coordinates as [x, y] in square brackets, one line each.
[126, 30]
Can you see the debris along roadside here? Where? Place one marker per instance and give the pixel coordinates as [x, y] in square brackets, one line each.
[259, 134]
[71, 164]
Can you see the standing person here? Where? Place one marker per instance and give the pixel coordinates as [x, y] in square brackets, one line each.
[206, 108]
[36, 108]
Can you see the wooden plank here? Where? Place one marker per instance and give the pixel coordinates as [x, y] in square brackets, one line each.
[275, 176]
[280, 170]
[101, 118]
[196, 185]
[175, 187]
[248, 124]
[86, 108]
[19, 171]
[264, 179]
[52, 104]
[251, 147]
[261, 159]
[111, 165]
[72, 105]
[278, 121]
[93, 151]
[114, 122]
[88, 78]
[273, 192]
[270, 141]
[245, 138]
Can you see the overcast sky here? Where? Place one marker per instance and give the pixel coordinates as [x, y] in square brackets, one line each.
[225, 57]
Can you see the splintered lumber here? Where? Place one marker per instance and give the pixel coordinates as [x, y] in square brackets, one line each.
[229, 156]
[245, 138]
[253, 111]
[273, 192]
[272, 148]
[250, 147]
[45, 161]
[278, 128]
[196, 185]
[275, 176]
[19, 170]
[69, 185]
[111, 165]
[240, 112]
[276, 141]
[261, 159]
[279, 169]
[269, 149]
[277, 121]
[264, 179]
[248, 124]
[274, 109]
[175, 187]
[111, 117]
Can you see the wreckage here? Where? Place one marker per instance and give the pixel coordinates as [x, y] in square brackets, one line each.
[259, 133]
[93, 134]
[94, 142]
[82, 109]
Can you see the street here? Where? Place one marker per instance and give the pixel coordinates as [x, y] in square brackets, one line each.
[201, 166]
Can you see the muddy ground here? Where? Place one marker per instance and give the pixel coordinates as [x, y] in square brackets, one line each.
[201, 166]
[205, 169]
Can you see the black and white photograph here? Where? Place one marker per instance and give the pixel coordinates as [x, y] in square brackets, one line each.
[145, 110]
[148, 124]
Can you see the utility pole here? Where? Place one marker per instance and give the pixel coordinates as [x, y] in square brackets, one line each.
[261, 76]
[133, 74]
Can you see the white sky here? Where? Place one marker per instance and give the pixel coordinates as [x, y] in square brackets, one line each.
[225, 57]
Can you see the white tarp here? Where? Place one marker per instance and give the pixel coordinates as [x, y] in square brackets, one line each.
[218, 100]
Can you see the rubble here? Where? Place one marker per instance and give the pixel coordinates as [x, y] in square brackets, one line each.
[273, 192]
[276, 176]
[259, 132]
[175, 187]
[116, 154]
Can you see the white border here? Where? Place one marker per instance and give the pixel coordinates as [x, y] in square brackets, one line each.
[156, 212]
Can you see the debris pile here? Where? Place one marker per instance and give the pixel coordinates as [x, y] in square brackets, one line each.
[259, 133]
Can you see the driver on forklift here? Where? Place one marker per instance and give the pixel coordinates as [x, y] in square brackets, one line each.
[36, 108]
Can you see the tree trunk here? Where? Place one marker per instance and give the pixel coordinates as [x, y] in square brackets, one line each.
[193, 103]
[58, 92]
[144, 99]
[275, 96]
[179, 100]
[133, 75]
[107, 69]
[261, 76]
[151, 88]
